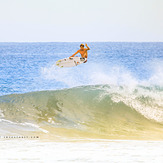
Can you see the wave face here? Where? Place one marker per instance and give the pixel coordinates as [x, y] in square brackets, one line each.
[100, 111]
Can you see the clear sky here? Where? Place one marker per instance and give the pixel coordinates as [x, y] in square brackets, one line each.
[81, 20]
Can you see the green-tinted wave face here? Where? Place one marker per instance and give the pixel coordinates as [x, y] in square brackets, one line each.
[100, 111]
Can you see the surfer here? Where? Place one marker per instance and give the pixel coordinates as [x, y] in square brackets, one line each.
[82, 51]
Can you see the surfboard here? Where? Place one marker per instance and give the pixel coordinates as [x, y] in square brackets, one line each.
[70, 62]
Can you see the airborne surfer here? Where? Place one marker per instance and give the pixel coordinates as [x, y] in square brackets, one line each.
[74, 61]
[82, 51]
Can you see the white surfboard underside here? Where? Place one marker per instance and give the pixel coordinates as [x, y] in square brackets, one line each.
[70, 62]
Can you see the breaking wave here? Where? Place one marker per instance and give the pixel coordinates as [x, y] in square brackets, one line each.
[98, 111]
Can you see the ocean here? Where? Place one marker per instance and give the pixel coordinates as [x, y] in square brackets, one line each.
[106, 110]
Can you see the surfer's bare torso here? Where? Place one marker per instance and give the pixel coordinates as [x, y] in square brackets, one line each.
[82, 51]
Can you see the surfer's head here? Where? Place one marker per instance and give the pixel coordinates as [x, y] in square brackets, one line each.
[81, 46]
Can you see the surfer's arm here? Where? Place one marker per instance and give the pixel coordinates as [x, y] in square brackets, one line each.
[74, 54]
[87, 47]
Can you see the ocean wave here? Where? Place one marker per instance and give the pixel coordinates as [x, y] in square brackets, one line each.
[103, 111]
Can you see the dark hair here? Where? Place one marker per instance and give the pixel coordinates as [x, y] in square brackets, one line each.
[81, 45]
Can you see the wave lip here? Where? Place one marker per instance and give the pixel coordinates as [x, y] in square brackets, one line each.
[99, 111]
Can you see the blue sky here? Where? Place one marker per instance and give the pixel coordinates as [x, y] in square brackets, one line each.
[81, 20]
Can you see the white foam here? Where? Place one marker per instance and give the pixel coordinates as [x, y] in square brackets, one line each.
[89, 74]
[157, 72]
[151, 109]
